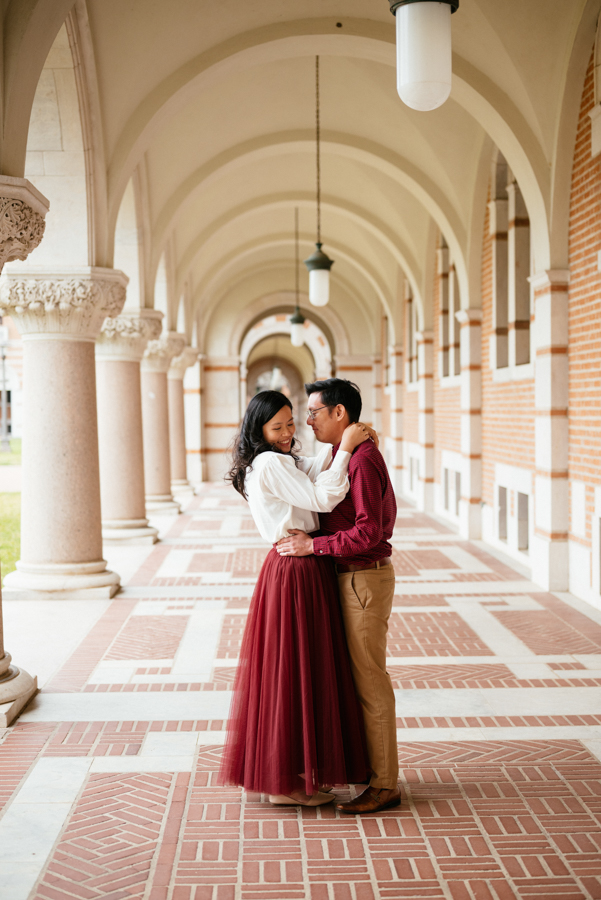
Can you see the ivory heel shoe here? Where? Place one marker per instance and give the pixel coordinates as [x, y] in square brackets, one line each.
[318, 799]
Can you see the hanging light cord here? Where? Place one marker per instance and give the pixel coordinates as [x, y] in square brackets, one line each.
[296, 262]
[317, 141]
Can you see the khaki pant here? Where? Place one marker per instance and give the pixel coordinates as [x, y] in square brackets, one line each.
[366, 600]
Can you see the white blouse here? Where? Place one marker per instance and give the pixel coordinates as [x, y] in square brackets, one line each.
[283, 495]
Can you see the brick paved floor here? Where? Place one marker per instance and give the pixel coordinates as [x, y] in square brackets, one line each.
[499, 729]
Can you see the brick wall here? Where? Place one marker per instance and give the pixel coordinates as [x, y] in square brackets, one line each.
[507, 407]
[584, 327]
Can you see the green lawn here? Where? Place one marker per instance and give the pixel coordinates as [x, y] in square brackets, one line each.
[13, 458]
[10, 525]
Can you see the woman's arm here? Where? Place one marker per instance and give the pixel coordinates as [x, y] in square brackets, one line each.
[284, 480]
[313, 466]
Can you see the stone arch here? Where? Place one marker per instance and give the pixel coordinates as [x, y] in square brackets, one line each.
[493, 109]
[278, 324]
[56, 160]
[328, 322]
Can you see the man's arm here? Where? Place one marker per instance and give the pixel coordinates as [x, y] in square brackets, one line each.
[366, 493]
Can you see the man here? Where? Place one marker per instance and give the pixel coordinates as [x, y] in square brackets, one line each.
[357, 535]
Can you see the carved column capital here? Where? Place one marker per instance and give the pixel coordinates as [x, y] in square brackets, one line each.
[22, 213]
[65, 304]
[159, 353]
[180, 363]
[125, 337]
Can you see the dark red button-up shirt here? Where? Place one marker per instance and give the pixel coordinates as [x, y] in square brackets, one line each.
[357, 532]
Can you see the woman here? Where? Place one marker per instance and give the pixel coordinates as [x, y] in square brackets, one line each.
[295, 722]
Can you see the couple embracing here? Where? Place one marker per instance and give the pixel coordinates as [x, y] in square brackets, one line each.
[313, 704]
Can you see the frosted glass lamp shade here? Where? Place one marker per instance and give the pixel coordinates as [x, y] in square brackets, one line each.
[297, 335]
[319, 266]
[424, 68]
[319, 287]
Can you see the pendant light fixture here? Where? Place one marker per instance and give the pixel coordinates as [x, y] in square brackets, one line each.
[297, 320]
[318, 264]
[423, 42]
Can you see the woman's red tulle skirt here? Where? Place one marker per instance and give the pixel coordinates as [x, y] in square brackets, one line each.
[295, 721]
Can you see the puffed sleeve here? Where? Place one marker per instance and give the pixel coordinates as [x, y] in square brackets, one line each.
[313, 466]
[281, 478]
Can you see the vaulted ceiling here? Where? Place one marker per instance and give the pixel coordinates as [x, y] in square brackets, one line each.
[209, 107]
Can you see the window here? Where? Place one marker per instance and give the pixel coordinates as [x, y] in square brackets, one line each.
[498, 232]
[386, 351]
[413, 473]
[451, 485]
[457, 492]
[522, 521]
[510, 232]
[502, 524]
[450, 304]
[411, 314]
[518, 259]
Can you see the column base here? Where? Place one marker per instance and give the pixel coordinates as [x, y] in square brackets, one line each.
[550, 563]
[128, 531]
[61, 581]
[181, 486]
[162, 505]
[470, 520]
[17, 687]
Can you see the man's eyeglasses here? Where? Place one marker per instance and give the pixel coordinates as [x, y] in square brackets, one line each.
[311, 413]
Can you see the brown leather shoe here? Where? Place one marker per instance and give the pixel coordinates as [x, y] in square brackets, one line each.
[372, 800]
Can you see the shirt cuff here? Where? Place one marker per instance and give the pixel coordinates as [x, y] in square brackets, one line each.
[320, 546]
[341, 461]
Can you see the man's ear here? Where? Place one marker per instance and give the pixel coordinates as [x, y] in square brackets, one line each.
[340, 412]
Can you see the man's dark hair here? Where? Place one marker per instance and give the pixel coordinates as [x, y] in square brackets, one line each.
[336, 391]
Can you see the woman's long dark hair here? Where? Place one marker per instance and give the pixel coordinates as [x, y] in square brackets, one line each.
[250, 441]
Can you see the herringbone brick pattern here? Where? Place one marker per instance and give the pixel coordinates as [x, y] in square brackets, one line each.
[148, 637]
[428, 634]
[482, 818]
[108, 847]
[545, 633]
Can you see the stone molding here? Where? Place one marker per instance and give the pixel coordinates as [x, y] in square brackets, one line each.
[125, 337]
[159, 353]
[69, 303]
[180, 363]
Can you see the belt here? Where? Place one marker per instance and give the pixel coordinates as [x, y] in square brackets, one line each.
[341, 569]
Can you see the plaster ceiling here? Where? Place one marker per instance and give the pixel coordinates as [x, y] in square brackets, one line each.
[209, 108]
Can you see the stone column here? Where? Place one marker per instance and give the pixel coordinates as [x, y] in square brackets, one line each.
[22, 212]
[359, 369]
[551, 520]
[425, 418]
[376, 392]
[177, 419]
[155, 421]
[243, 389]
[193, 420]
[59, 315]
[119, 350]
[220, 412]
[470, 523]
[396, 416]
